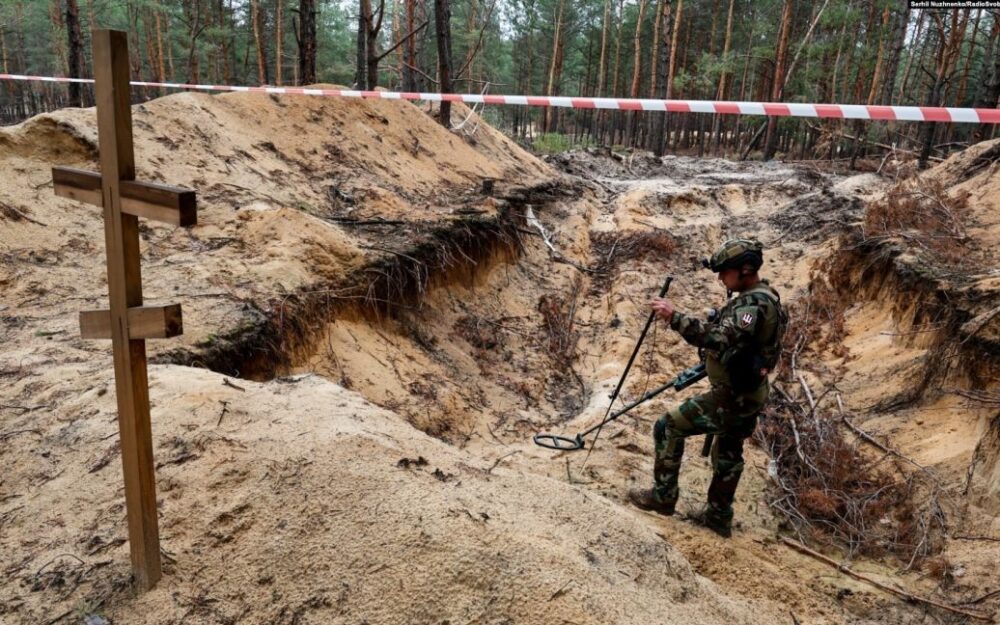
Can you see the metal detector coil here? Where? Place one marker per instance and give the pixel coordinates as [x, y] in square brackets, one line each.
[559, 443]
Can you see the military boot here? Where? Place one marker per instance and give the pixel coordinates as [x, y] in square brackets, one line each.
[646, 499]
[715, 522]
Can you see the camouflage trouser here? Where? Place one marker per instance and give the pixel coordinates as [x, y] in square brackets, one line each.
[731, 418]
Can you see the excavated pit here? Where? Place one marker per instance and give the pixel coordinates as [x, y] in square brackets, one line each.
[490, 334]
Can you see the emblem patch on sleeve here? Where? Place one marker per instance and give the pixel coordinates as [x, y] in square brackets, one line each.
[746, 320]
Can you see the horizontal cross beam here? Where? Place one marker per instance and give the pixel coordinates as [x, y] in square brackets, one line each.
[144, 322]
[172, 205]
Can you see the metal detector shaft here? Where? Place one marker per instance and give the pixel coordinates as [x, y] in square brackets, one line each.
[635, 351]
[683, 380]
[562, 443]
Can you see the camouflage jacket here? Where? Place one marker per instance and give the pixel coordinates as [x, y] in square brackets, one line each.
[744, 338]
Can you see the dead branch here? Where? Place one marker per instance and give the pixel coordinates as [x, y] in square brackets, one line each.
[231, 385]
[500, 459]
[843, 568]
[868, 438]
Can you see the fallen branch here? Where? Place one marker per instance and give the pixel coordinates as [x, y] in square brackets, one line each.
[843, 568]
[501, 459]
[868, 438]
[231, 385]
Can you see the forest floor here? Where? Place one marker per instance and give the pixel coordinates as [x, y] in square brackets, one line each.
[343, 432]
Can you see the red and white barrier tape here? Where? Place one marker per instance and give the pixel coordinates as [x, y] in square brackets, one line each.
[783, 109]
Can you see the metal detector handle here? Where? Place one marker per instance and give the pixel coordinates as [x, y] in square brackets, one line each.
[649, 322]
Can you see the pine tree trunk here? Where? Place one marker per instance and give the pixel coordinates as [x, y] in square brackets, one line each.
[442, 21]
[672, 63]
[968, 61]
[777, 87]
[598, 119]
[307, 42]
[170, 48]
[895, 54]
[56, 17]
[909, 58]
[3, 52]
[226, 42]
[616, 70]
[257, 19]
[75, 51]
[149, 30]
[723, 79]
[161, 72]
[192, 9]
[879, 58]
[988, 96]
[278, 43]
[371, 45]
[636, 71]
[364, 20]
[410, 47]
[555, 66]
[662, 51]
[948, 49]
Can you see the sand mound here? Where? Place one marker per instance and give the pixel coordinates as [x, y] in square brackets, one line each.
[298, 501]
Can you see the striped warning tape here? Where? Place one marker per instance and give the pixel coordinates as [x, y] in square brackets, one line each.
[782, 109]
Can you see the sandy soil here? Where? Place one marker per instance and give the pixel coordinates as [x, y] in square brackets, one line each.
[387, 474]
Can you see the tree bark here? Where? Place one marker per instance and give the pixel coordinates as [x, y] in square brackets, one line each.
[161, 72]
[192, 11]
[307, 42]
[364, 21]
[949, 46]
[662, 67]
[410, 49]
[636, 70]
[723, 79]
[257, 19]
[442, 20]
[879, 58]
[960, 97]
[278, 42]
[909, 57]
[895, 54]
[988, 96]
[555, 66]
[75, 52]
[3, 51]
[371, 45]
[777, 87]
[56, 16]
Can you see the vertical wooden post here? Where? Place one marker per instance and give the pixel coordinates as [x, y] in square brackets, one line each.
[114, 122]
[128, 323]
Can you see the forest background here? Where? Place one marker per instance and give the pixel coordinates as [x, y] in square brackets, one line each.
[874, 52]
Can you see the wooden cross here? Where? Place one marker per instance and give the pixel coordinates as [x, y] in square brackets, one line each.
[128, 322]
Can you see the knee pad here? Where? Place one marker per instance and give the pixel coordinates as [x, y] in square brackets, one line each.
[660, 428]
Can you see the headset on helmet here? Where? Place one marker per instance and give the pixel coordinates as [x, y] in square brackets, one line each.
[736, 253]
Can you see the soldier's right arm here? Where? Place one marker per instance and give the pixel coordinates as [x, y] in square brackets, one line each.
[715, 336]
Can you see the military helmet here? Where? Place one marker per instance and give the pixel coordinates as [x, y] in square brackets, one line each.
[735, 253]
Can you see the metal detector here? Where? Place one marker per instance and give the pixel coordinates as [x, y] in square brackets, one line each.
[563, 443]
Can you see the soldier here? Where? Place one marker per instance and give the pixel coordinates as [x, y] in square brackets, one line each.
[741, 346]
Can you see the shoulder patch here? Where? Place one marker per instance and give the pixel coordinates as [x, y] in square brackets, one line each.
[746, 317]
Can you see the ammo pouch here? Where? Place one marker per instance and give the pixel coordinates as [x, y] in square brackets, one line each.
[744, 371]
